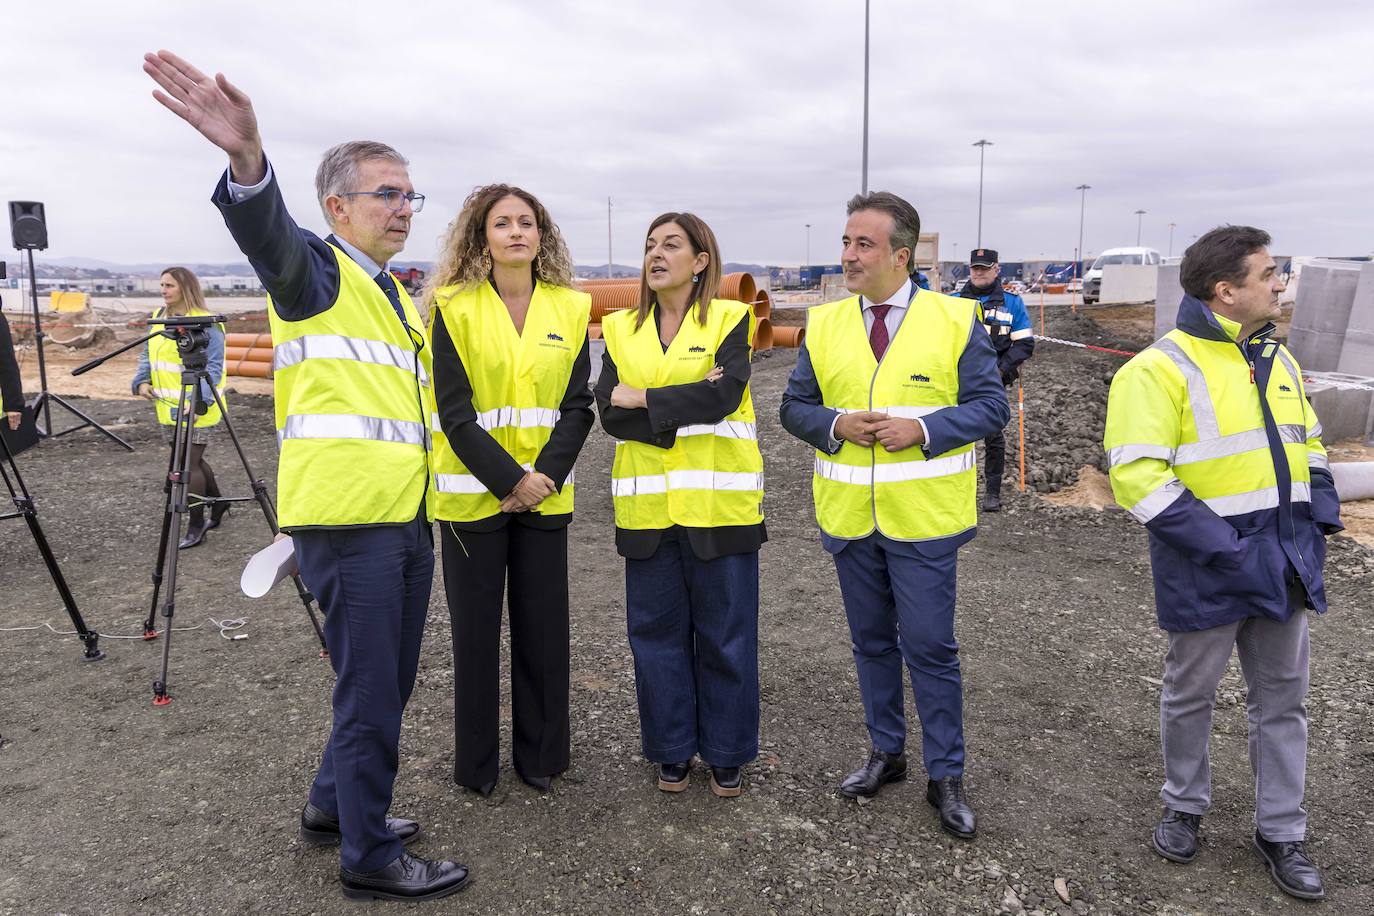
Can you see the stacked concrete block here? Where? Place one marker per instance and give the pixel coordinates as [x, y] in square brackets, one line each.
[1322, 313]
[1124, 284]
[1357, 350]
[1344, 410]
[1168, 294]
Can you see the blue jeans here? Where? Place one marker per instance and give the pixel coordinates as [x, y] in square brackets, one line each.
[900, 606]
[373, 584]
[694, 632]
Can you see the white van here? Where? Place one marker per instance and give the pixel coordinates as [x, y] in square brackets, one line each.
[1092, 277]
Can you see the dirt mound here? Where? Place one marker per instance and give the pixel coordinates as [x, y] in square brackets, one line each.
[1092, 490]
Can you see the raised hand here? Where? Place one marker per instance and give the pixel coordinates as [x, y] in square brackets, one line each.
[214, 107]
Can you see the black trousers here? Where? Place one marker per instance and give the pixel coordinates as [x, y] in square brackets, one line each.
[996, 463]
[476, 565]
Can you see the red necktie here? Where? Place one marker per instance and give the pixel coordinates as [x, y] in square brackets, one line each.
[877, 337]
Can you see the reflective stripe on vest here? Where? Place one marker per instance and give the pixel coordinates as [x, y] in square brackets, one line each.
[1220, 447]
[1255, 500]
[728, 429]
[894, 473]
[336, 346]
[654, 484]
[352, 426]
[1156, 502]
[469, 485]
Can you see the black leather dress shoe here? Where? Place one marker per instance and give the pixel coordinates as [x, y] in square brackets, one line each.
[1291, 869]
[540, 783]
[1175, 838]
[992, 503]
[673, 777]
[726, 782]
[319, 829]
[406, 878]
[956, 817]
[868, 779]
[195, 534]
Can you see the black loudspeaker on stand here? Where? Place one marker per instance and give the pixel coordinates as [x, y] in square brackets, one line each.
[192, 338]
[29, 230]
[26, 510]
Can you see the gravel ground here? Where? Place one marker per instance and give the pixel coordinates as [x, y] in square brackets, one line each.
[113, 806]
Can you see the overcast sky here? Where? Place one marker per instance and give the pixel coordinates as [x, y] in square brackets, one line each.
[748, 113]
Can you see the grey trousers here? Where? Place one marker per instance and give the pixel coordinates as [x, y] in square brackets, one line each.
[1273, 658]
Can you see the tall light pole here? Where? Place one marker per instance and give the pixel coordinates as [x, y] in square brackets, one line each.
[808, 244]
[865, 167]
[982, 148]
[1083, 190]
[610, 261]
[1171, 239]
[1138, 215]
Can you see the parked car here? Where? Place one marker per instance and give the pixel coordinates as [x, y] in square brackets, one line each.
[1092, 278]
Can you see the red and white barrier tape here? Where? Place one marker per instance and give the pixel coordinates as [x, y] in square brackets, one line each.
[1083, 346]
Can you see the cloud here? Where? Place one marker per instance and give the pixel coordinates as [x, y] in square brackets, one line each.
[747, 113]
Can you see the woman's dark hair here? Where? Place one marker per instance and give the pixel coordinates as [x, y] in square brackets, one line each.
[1219, 256]
[707, 286]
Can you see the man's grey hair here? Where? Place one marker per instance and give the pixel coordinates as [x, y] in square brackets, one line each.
[906, 222]
[338, 171]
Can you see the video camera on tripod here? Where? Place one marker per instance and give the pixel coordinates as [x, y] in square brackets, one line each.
[192, 336]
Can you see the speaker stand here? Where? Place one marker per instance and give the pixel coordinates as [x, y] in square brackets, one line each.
[45, 398]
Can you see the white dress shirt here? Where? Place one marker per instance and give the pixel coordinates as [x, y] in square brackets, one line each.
[901, 303]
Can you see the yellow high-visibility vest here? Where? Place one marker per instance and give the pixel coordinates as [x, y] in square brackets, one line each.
[713, 474]
[353, 406]
[518, 383]
[1181, 414]
[902, 495]
[164, 361]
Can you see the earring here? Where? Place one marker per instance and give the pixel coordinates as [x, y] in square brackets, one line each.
[696, 278]
[485, 261]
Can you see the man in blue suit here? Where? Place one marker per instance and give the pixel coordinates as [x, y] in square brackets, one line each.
[893, 419]
[372, 577]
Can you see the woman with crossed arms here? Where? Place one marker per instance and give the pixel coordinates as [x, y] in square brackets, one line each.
[688, 489]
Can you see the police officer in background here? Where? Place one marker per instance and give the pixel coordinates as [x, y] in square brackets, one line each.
[1004, 315]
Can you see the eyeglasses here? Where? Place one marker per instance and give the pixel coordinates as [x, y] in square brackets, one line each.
[393, 199]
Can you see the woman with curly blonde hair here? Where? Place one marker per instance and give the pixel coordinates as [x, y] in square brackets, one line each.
[511, 362]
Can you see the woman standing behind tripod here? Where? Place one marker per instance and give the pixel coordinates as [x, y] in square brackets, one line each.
[159, 380]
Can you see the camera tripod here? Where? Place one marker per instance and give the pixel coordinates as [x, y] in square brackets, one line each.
[192, 339]
[24, 507]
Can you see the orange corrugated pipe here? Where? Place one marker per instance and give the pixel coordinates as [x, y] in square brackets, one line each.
[249, 354]
[594, 331]
[263, 339]
[788, 336]
[763, 306]
[763, 335]
[249, 370]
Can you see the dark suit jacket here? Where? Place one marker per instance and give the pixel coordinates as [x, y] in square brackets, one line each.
[982, 410]
[11, 388]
